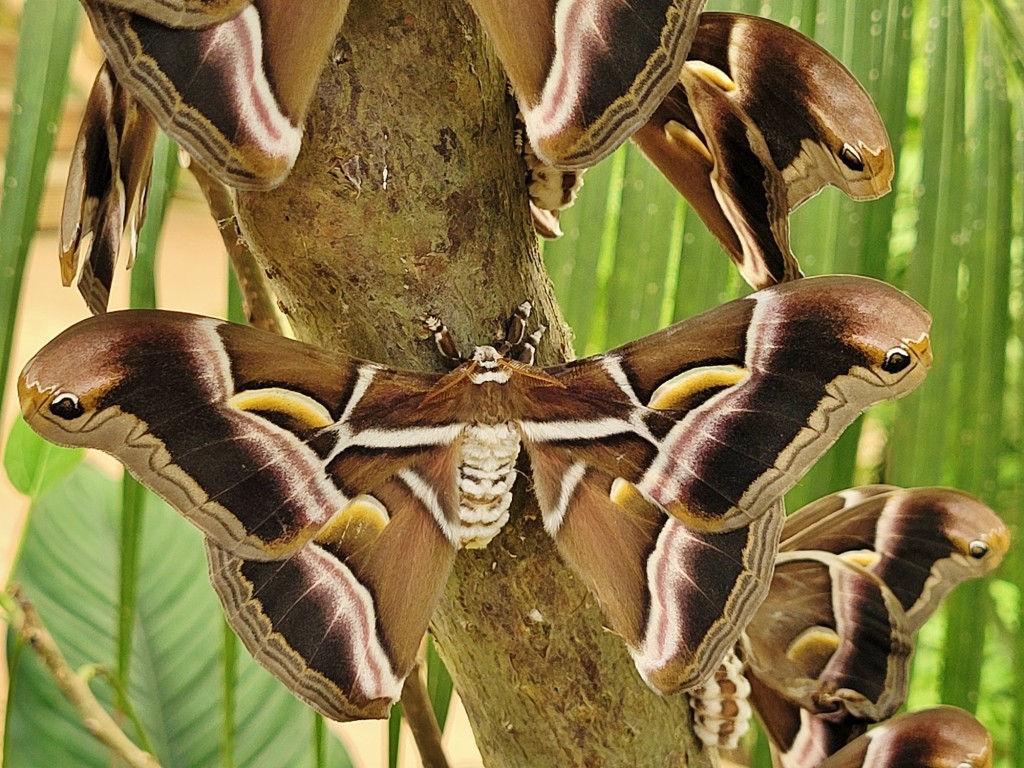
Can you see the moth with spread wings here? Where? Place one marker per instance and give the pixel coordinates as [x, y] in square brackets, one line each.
[828, 651]
[232, 80]
[334, 493]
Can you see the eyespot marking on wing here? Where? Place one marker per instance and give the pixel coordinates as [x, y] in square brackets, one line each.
[851, 158]
[978, 549]
[896, 360]
[66, 406]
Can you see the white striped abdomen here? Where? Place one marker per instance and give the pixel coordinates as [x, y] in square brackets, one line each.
[487, 471]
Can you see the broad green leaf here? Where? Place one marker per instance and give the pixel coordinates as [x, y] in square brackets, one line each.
[33, 465]
[68, 568]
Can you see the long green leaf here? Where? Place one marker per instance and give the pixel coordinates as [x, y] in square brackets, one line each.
[987, 266]
[133, 495]
[48, 29]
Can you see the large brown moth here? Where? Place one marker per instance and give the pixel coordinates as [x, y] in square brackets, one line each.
[858, 573]
[334, 492]
[231, 81]
[938, 737]
[762, 119]
[747, 142]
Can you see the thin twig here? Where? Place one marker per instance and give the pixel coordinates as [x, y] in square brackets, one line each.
[260, 305]
[420, 716]
[100, 724]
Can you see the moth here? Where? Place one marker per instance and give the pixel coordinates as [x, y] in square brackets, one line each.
[232, 81]
[938, 737]
[762, 119]
[747, 142]
[857, 574]
[334, 492]
[105, 196]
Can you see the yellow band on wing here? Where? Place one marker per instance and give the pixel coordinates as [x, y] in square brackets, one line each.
[712, 74]
[296, 405]
[813, 648]
[358, 524]
[680, 390]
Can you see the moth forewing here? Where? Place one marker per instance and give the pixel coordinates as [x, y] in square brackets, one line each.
[762, 119]
[587, 73]
[823, 126]
[234, 91]
[922, 542]
[182, 13]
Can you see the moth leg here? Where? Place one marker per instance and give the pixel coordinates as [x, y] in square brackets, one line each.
[515, 331]
[551, 189]
[528, 351]
[443, 340]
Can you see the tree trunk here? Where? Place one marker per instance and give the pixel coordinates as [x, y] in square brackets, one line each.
[408, 199]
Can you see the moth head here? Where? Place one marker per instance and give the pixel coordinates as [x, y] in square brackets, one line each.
[488, 364]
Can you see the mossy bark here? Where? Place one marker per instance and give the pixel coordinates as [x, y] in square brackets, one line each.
[408, 199]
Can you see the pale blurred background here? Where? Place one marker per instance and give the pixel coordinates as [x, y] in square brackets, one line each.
[192, 277]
